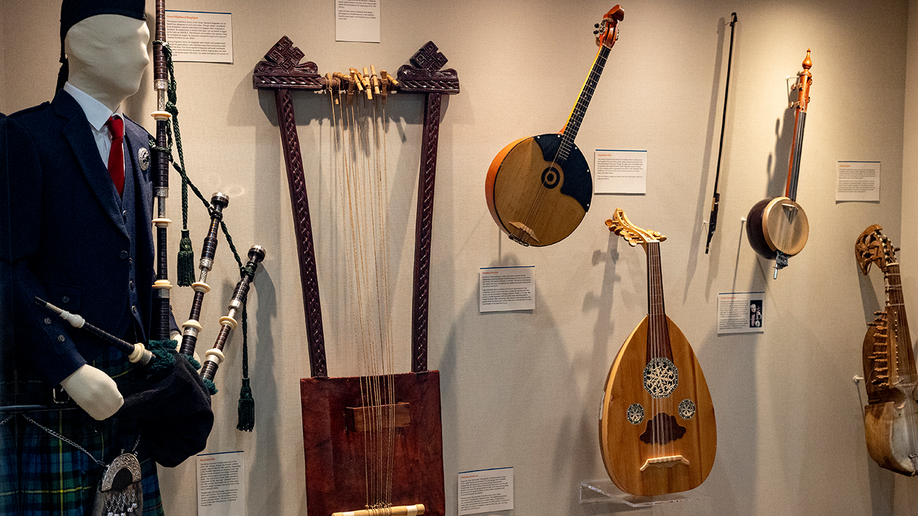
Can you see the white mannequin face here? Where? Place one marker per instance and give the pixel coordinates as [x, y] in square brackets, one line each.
[107, 55]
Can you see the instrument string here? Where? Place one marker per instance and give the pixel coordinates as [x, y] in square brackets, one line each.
[362, 148]
[342, 166]
[905, 359]
[655, 352]
[382, 162]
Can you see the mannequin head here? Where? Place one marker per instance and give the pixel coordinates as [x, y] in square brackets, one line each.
[107, 55]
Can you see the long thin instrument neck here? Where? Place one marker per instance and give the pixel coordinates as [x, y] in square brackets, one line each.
[658, 331]
[793, 172]
[904, 360]
[583, 102]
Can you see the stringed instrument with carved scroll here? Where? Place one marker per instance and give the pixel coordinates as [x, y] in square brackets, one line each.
[891, 414]
[539, 188]
[657, 428]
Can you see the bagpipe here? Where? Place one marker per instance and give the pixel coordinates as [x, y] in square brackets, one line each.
[165, 391]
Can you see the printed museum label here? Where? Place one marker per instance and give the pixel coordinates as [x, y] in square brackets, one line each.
[858, 181]
[200, 36]
[357, 20]
[221, 484]
[503, 289]
[485, 490]
[740, 312]
[620, 171]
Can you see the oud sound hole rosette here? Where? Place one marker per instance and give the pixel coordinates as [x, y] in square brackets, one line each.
[660, 377]
[635, 413]
[687, 409]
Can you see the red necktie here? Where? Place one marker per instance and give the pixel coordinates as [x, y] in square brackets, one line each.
[116, 156]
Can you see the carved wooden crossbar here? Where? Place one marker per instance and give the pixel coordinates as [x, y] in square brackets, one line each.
[282, 72]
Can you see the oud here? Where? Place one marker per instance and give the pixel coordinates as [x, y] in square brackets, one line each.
[891, 414]
[777, 227]
[657, 430]
[539, 188]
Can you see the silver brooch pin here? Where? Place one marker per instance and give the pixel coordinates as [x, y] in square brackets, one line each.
[143, 155]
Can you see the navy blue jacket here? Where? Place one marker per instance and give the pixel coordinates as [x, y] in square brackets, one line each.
[73, 242]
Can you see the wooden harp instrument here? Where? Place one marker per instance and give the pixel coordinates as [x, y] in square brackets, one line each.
[890, 376]
[777, 227]
[336, 411]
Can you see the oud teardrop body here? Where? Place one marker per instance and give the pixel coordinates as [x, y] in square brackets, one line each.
[657, 430]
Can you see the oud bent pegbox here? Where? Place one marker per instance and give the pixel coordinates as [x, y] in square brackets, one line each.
[657, 430]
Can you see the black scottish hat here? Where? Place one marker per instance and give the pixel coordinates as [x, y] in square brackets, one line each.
[75, 11]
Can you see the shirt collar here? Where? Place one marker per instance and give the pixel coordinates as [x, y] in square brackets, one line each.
[95, 111]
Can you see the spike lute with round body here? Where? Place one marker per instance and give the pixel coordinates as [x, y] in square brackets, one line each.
[657, 430]
[777, 227]
[539, 188]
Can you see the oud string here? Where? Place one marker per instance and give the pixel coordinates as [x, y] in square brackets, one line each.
[655, 345]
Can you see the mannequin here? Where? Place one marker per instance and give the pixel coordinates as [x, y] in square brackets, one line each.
[79, 243]
[107, 55]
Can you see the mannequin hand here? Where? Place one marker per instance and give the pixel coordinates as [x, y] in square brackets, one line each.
[94, 391]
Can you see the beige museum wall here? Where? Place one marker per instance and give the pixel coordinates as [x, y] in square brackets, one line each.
[523, 389]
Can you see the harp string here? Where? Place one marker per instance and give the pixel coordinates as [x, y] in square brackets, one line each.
[363, 186]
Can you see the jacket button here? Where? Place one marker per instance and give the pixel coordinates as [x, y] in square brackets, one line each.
[47, 320]
[124, 255]
[60, 338]
[65, 299]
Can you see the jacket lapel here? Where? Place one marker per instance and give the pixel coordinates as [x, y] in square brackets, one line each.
[79, 135]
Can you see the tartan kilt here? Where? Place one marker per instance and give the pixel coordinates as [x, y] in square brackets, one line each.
[41, 475]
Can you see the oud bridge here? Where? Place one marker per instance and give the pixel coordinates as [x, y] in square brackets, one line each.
[665, 462]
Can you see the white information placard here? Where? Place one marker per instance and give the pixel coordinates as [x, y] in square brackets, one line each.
[503, 289]
[357, 20]
[740, 312]
[200, 37]
[485, 490]
[858, 181]
[620, 171]
[221, 484]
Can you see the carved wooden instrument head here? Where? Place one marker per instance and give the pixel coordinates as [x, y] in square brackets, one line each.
[802, 86]
[872, 246]
[621, 226]
[607, 30]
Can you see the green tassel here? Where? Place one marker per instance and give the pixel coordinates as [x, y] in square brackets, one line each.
[185, 262]
[246, 408]
[162, 357]
[194, 363]
[209, 385]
